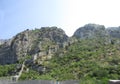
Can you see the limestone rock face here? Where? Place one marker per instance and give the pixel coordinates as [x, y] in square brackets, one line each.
[95, 30]
[32, 42]
[90, 31]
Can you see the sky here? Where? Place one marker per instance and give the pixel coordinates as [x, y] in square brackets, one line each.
[19, 15]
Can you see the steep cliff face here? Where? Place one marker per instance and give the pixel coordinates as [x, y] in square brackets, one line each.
[90, 31]
[31, 42]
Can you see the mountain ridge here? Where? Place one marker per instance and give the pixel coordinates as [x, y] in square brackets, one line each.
[49, 53]
[29, 42]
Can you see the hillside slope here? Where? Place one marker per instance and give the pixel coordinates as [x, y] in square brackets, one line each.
[90, 59]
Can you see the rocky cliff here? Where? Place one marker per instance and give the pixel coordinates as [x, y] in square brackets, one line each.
[44, 42]
[36, 42]
[90, 31]
[96, 30]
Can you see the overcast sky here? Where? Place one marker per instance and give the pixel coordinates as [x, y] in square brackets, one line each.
[19, 15]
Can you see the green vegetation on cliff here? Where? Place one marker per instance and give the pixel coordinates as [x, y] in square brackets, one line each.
[6, 70]
[90, 60]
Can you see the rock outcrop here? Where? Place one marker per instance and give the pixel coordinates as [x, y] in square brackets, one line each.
[95, 30]
[90, 31]
[32, 42]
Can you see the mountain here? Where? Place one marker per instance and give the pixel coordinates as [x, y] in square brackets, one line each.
[90, 31]
[91, 55]
[31, 42]
[96, 30]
